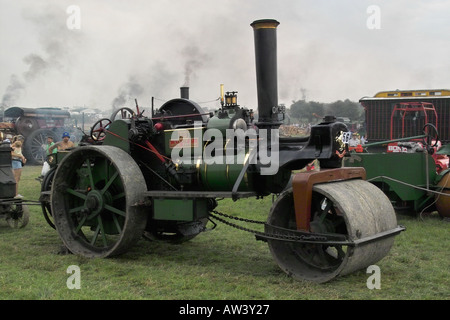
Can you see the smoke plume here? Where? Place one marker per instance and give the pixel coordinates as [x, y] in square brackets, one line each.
[195, 60]
[56, 42]
[130, 89]
[13, 91]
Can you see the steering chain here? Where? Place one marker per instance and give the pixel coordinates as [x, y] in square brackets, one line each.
[295, 236]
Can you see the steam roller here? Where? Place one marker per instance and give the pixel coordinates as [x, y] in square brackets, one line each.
[160, 176]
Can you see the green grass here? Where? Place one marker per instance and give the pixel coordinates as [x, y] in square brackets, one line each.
[222, 264]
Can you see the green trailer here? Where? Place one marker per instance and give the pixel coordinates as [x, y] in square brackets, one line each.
[416, 181]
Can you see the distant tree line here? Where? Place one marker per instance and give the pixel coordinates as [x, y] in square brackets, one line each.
[312, 111]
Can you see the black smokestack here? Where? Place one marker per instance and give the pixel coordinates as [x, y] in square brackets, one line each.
[184, 92]
[266, 71]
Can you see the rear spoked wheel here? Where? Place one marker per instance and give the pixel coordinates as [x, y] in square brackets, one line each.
[18, 216]
[46, 205]
[94, 196]
[355, 209]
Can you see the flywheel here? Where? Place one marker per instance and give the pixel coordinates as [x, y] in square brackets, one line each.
[354, 208]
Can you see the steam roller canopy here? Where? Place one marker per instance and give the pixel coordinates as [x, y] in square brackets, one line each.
[354, 208]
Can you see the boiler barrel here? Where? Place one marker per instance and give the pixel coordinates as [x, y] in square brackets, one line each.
[222, 177]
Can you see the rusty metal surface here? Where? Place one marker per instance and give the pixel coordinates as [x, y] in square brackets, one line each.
[303, 183]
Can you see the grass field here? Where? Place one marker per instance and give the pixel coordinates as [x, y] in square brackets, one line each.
[222, 264]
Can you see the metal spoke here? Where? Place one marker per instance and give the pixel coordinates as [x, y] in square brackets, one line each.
[115, 210]
[77, 209]
[95, 236]
[323, 256]
[102, 230]
[118, 196]
[116, 222]
[80, 225]
[110, 181]
[91, 179]
[76, 193]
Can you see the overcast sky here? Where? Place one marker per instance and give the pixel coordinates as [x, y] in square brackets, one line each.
[327, 50]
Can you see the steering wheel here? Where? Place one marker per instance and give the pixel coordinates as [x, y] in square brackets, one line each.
[430, 136]
[98, 130]
[124, 113]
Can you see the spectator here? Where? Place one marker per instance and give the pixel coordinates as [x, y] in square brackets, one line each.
[48, 145]
[354, 141]
[18, 138]
[18, 160]
[46, 165]
[64, 144]
[363, 140]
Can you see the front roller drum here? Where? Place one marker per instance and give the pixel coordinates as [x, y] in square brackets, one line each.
[95, 195]
[354, 208]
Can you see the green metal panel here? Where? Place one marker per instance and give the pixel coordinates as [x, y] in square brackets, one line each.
[186, 209]
[409, 168]
[445, 150]
[117, 135]
[59, 156]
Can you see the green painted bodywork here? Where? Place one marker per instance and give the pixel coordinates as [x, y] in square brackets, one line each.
[221, 124]
[117, 135]
[412, 169]
[186, 209]
[222, 177]
[197, 173]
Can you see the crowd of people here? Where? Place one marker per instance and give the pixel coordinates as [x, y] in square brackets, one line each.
[51, 147]
[18, 160]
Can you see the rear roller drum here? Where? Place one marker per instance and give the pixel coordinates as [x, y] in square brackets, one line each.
[354, 208]
[94, 195]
